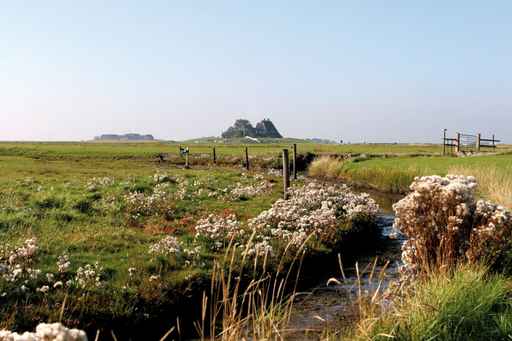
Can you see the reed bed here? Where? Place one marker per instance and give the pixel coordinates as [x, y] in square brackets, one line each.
[247, 302]
[494, 183]
[392, 180]
[467, 304]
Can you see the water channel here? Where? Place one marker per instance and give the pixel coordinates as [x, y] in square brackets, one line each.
[331, 303]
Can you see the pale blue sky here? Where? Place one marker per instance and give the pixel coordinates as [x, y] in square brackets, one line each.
[359, 70]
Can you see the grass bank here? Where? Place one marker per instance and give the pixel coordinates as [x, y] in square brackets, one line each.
[395, 174]
[469, 304]
[455, 279]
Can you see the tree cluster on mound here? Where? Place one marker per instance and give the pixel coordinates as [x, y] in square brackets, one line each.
[242, 128]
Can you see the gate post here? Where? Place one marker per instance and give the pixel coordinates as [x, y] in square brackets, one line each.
[294, 160]
[457, 148]
[444, 142]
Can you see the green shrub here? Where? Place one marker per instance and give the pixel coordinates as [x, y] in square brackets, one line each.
[48, 203]
[84, 205]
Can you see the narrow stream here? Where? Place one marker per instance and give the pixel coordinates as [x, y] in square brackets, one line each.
[328, 305]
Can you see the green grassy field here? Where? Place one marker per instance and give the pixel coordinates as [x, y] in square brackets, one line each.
[111, 204]
[395, 174]
[79, 208]
[151, 149]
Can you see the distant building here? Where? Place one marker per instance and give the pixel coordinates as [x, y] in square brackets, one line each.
[125, 137]
[243, 128]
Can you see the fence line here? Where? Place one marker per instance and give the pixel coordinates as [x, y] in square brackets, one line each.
[468, 142]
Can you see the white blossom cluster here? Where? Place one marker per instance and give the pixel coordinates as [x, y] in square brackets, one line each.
[170, 246]
[97, 183]
[24, 252]
[63, 263]
[314, 209]
[192, 188]
[186, 189]
[140, 204]
[46, 332]
[492, 232]
[162, 178]
[249, 191]
[17, 271]
[89, 276]
[16, 264]
[445, 224]
[218, 230]
[166, 247]
[192, 255]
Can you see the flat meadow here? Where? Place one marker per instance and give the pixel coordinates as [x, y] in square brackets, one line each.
[145, 150]
[112, 238]
[103, 213]
[98, 236]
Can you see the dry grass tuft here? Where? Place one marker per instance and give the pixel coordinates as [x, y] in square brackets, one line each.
[257, 308]
[494, 184]
[326, 167]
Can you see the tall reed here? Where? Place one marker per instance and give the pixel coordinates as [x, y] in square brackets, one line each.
[246, 300]
[494, 183]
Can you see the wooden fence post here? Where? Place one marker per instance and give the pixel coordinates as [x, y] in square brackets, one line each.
[444, 142]
[187, 165]
[247, 166]
[493, 143]
[294, 160]
[286, 173]
[457, 148]
[478, 140]
[214, 156]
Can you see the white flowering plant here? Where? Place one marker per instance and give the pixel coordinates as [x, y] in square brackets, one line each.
[96, 184]
[446, 225]
[140, 205]
[45, 332]
[241, 191]
[216, 231]
[322, 211]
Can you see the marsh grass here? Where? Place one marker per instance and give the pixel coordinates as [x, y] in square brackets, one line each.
[246, 302]
[395, 174]
[466, 304]
[386, 179]
[150, 150]
[494, 183]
